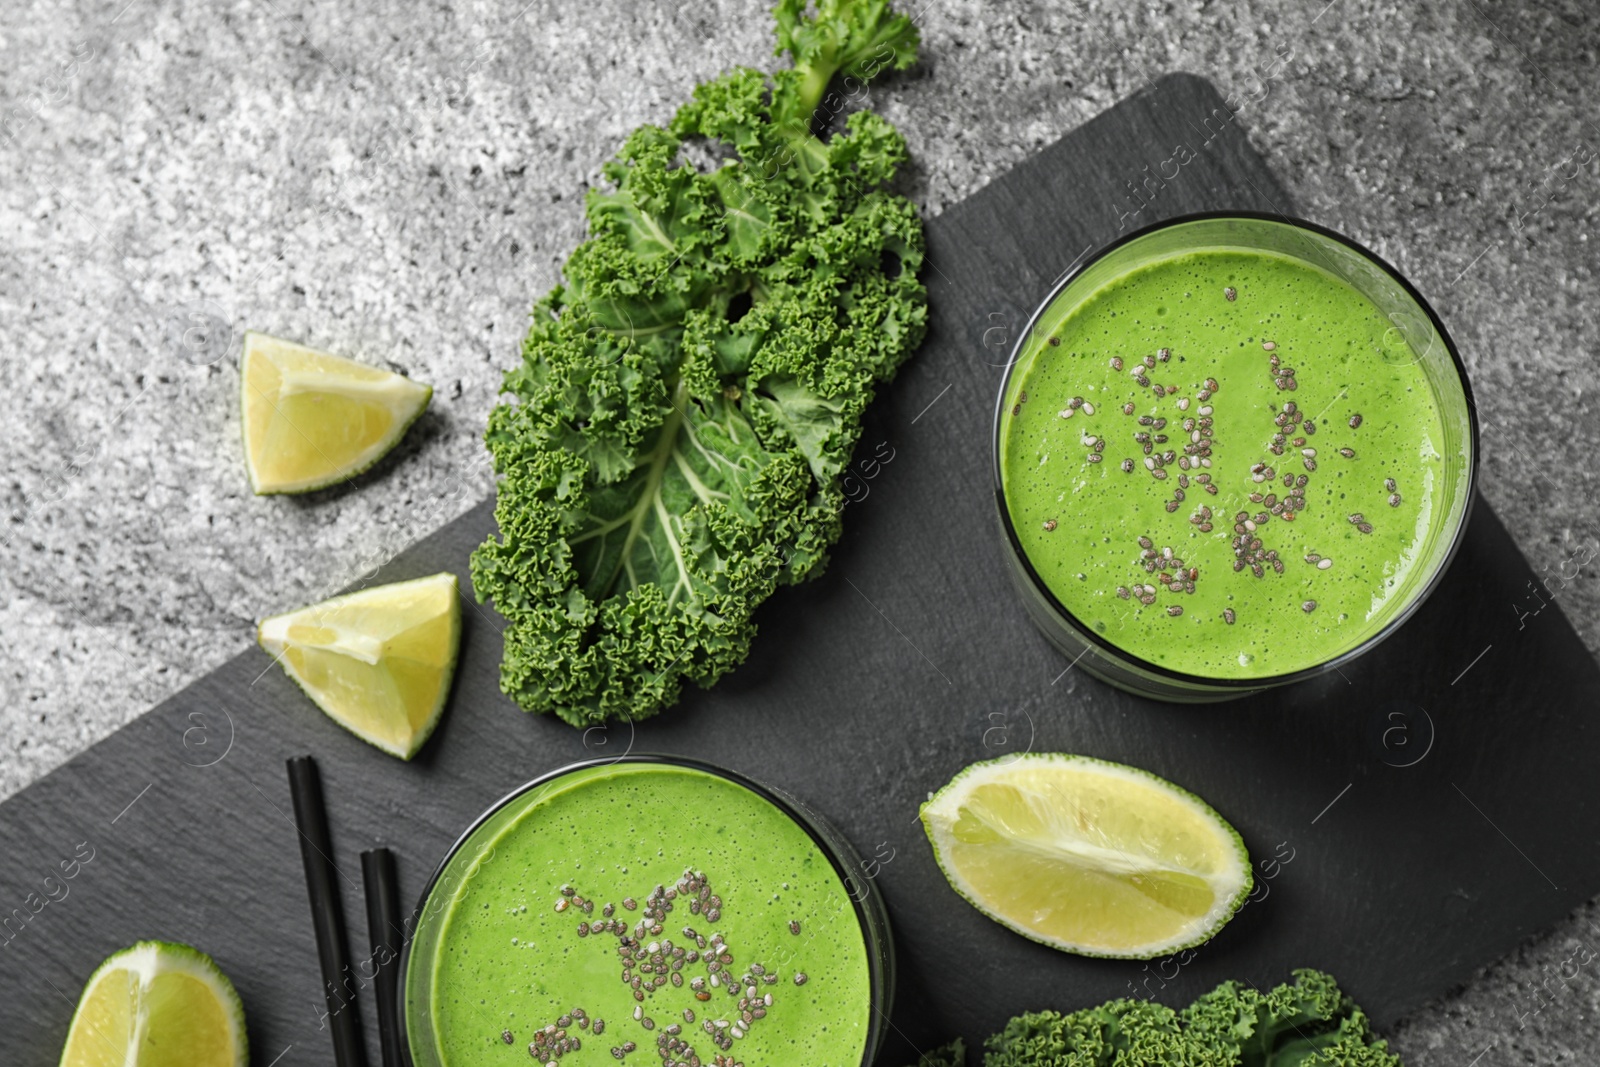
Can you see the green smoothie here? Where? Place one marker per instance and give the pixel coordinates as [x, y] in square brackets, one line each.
[651, 914]
[1224, 462]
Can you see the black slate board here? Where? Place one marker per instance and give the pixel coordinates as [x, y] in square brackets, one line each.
[871, 687]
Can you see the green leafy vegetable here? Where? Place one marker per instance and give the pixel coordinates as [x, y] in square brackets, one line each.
[670, 448]
[952, 1055]
[1306, 1023]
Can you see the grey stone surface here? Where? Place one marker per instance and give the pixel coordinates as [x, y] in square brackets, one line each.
[395, 181]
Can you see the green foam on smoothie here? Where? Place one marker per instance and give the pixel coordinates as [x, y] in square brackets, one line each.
[507, 960]
[1079, 521]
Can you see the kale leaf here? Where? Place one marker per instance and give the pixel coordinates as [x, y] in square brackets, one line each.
[669, 450]
[1309, 1022]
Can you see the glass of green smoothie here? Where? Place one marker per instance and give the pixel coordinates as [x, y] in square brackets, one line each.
[1231, 452]
[653, 909]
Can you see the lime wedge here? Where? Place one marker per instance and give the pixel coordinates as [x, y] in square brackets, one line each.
[378, 661]
[157, 1004]
[312, 419]
[1088, 856]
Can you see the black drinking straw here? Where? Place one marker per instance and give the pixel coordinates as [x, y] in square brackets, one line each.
[385, 929]
[327, 916]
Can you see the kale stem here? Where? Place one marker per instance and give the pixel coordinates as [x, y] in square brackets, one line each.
[814, 86]
[666, 444]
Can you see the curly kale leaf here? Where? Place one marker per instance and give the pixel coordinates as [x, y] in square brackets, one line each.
[952, 1055]
[670, 447]
[1306, 1023]
[1121, 1032]
[857, 37]
[1309, 1022]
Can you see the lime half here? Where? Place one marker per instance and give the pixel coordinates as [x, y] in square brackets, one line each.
[312, 419]
[157, 1004]
[378, 661]
[1087, 856]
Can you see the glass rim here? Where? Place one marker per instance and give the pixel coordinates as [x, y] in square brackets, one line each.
[1242, 685]
[878, 974]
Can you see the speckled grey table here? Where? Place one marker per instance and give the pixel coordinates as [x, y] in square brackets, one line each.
[397, 182]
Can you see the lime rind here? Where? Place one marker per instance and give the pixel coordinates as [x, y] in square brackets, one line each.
[1228, 905]
[419, 396]
[271, 635]
[147, 960]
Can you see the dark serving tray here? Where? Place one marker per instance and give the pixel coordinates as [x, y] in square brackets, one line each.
[1413, 818]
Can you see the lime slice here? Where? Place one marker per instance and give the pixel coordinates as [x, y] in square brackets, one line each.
[1088, 856]
[157, 1004]
[312, 419]
[378, 661]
